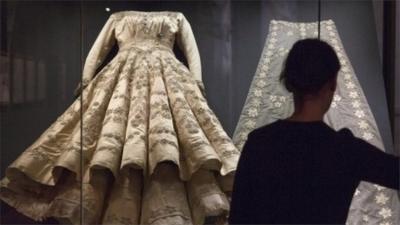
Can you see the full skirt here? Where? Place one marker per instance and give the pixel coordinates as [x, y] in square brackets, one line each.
[139, 146]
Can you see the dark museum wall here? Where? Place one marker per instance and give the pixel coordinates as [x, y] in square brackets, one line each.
[230, 36]
[41, 53]
[397, 83]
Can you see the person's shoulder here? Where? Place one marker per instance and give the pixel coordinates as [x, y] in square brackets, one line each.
[264, 131]
[345, 134]
[265, 128]
[257, 139]
[347, 139]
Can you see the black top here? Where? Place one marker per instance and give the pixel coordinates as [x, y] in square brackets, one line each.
[304, 173]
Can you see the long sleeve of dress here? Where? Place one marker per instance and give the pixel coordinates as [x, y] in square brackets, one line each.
[187, 43]
[101, 47]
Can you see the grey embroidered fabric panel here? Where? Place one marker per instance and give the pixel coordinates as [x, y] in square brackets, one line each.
[268, 100]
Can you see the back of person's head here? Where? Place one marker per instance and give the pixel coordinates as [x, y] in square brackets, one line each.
[310, 64]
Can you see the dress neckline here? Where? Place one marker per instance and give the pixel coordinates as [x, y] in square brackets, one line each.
[145, 12]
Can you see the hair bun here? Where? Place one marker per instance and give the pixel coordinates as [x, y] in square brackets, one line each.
[309, 65]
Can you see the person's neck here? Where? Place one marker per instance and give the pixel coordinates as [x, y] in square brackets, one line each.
[308, 112]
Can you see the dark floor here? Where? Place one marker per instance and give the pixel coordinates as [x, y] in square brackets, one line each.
[9, 215]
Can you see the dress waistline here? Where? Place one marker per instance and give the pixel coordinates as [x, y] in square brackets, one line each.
[147, 46]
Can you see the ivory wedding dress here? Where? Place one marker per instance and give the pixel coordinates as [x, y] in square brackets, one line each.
[152, 151]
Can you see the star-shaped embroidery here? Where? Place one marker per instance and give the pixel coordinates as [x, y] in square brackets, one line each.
[353, 94]
[333, 105]
[385, 223]
[273, 33]
[242, 136]
[277, 104]
[379, 188]
[282, 98]
[367, 136]
[262, 74]
[269, 53]
[381, 198]
[350, 85]
[271, 46]
[385, 212]
[345, 69]
[362, 124]
[342, 62]
[273, 40]
[359, 113]
[264, 67]
[347, 76]
[331, 33]
[258, 93]
[337, 97]
[250, 124]
[273, 97]
[328, 27]
[357, 192]
[289, 33]
[365, 218]
[356, 104]
[253, 112]
[256, 102]
[261, 83]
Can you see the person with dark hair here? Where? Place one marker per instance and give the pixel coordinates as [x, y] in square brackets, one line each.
[299, 170]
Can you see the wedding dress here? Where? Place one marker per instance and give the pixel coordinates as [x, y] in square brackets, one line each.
[151, 151]
[268, 100]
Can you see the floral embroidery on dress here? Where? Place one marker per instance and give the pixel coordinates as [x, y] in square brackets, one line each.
[144, 114]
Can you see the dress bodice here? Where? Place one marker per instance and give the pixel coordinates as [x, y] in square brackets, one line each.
[144, 30]
[147, 28]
